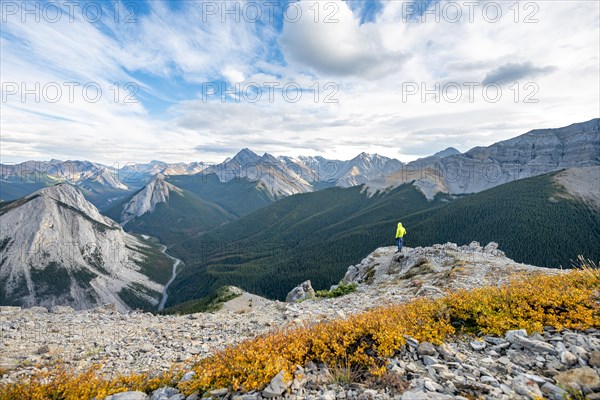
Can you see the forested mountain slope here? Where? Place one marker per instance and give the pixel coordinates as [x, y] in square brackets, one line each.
[315, 235]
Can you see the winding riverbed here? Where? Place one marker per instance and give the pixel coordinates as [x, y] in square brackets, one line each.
[176, 263]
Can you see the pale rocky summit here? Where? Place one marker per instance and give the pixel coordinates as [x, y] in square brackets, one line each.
[366, 167]
[272, 174]
[361, 169]
[57, 249]
[155, 192]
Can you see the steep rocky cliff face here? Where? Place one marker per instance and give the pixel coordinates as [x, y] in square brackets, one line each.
[57, 249]
[534, 153]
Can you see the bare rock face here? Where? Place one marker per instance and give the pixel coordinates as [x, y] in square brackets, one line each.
[57, 249]
[534, 153]
[276, 177]
[301, 292]
[155, 192]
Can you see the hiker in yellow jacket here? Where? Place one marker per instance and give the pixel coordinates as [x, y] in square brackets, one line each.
[400, 232]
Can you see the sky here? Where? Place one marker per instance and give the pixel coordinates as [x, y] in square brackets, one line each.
[182, 81]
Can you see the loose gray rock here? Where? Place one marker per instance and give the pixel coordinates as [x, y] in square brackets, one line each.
[426, 349]
[301, 292]
[525, 386]
[534, 345]
[128, 396]
[187, 376]
[585, 379]
[478, 345]
[510, 335]
[554, 392]
[277, 386]
[219, 392]
[429, 360]
[567, 358]
[164, 393]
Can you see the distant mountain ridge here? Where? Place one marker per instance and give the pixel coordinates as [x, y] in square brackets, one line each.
[533, 153]
[280, 176]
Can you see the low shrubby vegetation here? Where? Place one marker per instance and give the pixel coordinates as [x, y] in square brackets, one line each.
[361, 343]
[341, 290]
[60, 383]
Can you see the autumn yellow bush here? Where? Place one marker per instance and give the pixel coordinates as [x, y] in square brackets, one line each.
[60, 383]
[361, 342]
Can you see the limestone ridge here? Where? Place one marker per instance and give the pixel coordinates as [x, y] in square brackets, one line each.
[155, 192]
[57, 249]
[534, 153]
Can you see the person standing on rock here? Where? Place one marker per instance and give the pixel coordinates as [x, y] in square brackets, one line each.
[400, 232]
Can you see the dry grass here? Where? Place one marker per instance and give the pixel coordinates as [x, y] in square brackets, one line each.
[361, 343]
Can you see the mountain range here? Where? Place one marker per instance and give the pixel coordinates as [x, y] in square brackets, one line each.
[533, 153]
[282, 176]
[264, 223]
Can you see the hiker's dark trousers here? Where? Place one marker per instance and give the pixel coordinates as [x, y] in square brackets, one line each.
[400, 243]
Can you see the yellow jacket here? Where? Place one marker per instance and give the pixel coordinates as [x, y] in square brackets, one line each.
[400, 231]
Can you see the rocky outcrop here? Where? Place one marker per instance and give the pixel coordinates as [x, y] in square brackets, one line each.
[302, 292]
[57, 249]
[437, 268]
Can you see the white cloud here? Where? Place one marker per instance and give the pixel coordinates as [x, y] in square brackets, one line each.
[371, 64]
[329, 38]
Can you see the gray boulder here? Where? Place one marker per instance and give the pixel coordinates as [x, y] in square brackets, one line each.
[277, 386]
[301, 292]
[585, 379]
[128, 396]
